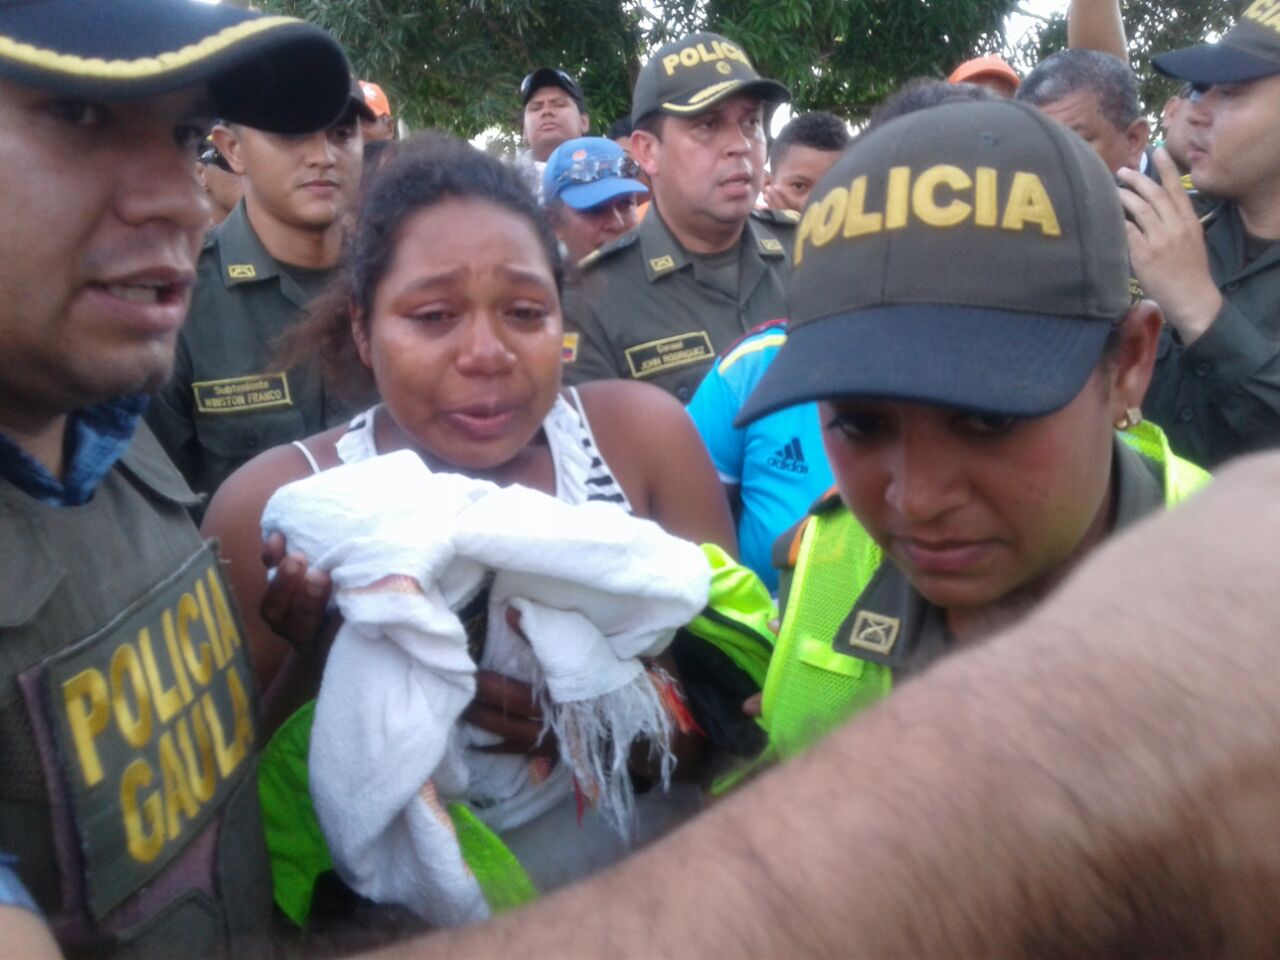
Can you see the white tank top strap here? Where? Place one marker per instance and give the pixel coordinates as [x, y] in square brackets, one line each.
[581, 473]
[315, 467]
[357, 443]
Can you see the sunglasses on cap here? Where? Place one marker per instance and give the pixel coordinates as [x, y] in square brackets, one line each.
[526, 85]
[211, 155]
[589, 169]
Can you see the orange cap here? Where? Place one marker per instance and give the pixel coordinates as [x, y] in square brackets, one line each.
[375, 98]
[971, 71]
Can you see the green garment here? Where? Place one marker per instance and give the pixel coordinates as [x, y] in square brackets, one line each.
[648, 309]
[128, 792]
[299, 854]
[1220, 397]
[852, 622]
[228, 400]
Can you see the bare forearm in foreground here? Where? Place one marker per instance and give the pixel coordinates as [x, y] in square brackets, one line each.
[1102, 779]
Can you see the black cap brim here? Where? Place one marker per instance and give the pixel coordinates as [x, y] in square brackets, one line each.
[978, 359]
[1207, 64]
[272, 73]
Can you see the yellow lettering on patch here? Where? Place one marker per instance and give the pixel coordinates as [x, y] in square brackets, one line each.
[201, 769]
[143, 826]
[175, 657]
[126, 671]
[230, 754]
[200, 665]
[986, 208]
[924, 200]
[698, 54]
[177, 791]
[220, 656]
[1264, 12]
[920, 198]
[85, 697]
[226, 622]
[167, 700]
[857, 221]
[1029, 203]
[897, 197]
[830, 216]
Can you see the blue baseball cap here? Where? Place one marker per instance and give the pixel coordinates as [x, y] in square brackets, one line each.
[588, 171]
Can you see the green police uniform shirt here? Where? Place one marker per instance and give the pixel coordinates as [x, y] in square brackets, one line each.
[648, 309]
[228, 400]
[1220, 397]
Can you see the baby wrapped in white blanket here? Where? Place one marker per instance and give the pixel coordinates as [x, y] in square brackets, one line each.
[406, 548]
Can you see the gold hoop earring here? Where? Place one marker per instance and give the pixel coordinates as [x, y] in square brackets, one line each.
[1132, 417]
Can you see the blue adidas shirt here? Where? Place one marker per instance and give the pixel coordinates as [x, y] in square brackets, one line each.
[777, 462]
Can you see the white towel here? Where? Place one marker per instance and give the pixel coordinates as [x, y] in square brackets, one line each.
[596, 588]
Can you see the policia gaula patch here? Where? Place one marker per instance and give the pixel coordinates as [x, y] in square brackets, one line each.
[154, 725]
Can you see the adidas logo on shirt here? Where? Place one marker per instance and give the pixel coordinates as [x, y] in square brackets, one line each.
[790, 458]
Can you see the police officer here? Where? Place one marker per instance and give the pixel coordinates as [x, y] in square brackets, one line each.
[229, 398]
[127, 711]
[1217, 384]
[704, 266]
[983, 437]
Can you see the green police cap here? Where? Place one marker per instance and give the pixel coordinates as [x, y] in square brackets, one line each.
[1248, 51]
[693, 74]
[272, 73]
[971, 255]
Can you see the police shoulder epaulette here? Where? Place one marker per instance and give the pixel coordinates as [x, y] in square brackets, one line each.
[825, 503]
[595, 256]
[787, 218]
[786, 548]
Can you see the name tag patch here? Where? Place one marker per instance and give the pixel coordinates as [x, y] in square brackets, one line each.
[258, 391]
[669, 353]
[153, 719]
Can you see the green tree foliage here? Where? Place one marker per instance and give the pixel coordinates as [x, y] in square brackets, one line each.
[1151, 26]
[456, 64]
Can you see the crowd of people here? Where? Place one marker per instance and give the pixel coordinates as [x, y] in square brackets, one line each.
[716, 442]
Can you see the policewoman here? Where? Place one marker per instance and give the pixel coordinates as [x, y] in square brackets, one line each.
[960, 310]
[128, 722]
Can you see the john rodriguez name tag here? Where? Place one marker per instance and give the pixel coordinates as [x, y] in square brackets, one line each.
[242, 394]
[154, 725]
[669, 353]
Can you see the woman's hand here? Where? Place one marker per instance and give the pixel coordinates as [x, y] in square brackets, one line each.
[296, 599]
[508, 708]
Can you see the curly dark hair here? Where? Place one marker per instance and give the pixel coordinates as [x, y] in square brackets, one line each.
[421, 172]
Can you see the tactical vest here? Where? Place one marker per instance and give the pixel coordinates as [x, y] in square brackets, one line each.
[810, 688]
[128, 723]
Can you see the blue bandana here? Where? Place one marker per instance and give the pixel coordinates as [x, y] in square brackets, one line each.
[96, 438]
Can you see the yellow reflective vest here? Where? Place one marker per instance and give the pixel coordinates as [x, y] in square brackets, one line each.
[809, 687]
